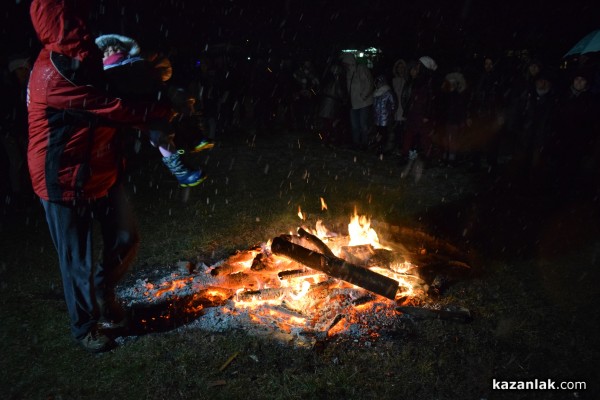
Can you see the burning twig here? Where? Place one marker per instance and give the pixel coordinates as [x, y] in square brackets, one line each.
[333, 323]
[337, 268]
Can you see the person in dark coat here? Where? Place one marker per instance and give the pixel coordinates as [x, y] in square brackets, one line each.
[75, 164]
[419, 111]
[486, 115]
[539, 130]
[454, 116]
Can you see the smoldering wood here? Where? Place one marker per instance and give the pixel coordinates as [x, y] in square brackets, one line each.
[288, 312]
[337, 268]
[442, 274]
[296, 273]
[362, 300]
[291, 274]
[333, 323]
[257, 263]
[358, 255]
[263, 294]
[238, 280]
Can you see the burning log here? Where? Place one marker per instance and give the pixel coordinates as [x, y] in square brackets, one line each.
[238, 280]
[238, 262]
[337, 268]
[358, 255]
[264, 294]
[296, 273]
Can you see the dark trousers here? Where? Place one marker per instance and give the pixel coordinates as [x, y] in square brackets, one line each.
[359, 120]
[89, 286]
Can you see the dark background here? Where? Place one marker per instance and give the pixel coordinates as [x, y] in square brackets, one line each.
[408, 29]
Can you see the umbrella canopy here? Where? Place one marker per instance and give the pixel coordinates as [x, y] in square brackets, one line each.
[588, 44]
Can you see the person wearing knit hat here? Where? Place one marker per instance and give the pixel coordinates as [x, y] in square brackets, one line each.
[428, 63]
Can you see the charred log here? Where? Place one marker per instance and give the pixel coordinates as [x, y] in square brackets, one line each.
[296, 273]
[257, 263]
[315, 241]
[264, 294]
[337, 268]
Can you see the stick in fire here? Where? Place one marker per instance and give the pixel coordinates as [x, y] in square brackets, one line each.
[337, 268]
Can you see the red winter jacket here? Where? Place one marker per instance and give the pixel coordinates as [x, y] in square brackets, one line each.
[73, 152]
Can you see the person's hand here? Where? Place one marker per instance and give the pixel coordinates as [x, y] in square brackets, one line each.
[469, 122]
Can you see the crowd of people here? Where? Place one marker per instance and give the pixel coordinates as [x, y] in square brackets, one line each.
[68, 113]
[480, 113]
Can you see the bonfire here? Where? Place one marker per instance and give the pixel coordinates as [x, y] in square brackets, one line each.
[308, 285]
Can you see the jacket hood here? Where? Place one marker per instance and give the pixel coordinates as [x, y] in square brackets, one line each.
[130, 45]
[397, 64]
[457, 80]
[61, 27]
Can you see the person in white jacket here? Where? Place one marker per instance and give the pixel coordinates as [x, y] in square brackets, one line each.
[360, 86]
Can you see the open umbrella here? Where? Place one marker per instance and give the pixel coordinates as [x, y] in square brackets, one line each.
[589, 44]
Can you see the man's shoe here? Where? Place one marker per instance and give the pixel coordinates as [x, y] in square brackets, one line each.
[96, 341]
[114, 319]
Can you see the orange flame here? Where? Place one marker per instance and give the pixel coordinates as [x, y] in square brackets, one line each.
[300, 214]
[361, 233]
[171, 286]
[323, 204]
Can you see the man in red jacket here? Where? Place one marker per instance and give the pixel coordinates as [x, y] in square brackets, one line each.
[74, 163]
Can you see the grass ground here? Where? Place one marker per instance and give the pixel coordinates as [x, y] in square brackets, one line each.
[533, 298]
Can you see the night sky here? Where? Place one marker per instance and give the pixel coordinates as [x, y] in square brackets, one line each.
[400, 28]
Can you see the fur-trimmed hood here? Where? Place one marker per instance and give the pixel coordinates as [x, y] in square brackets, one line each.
[130, 45]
